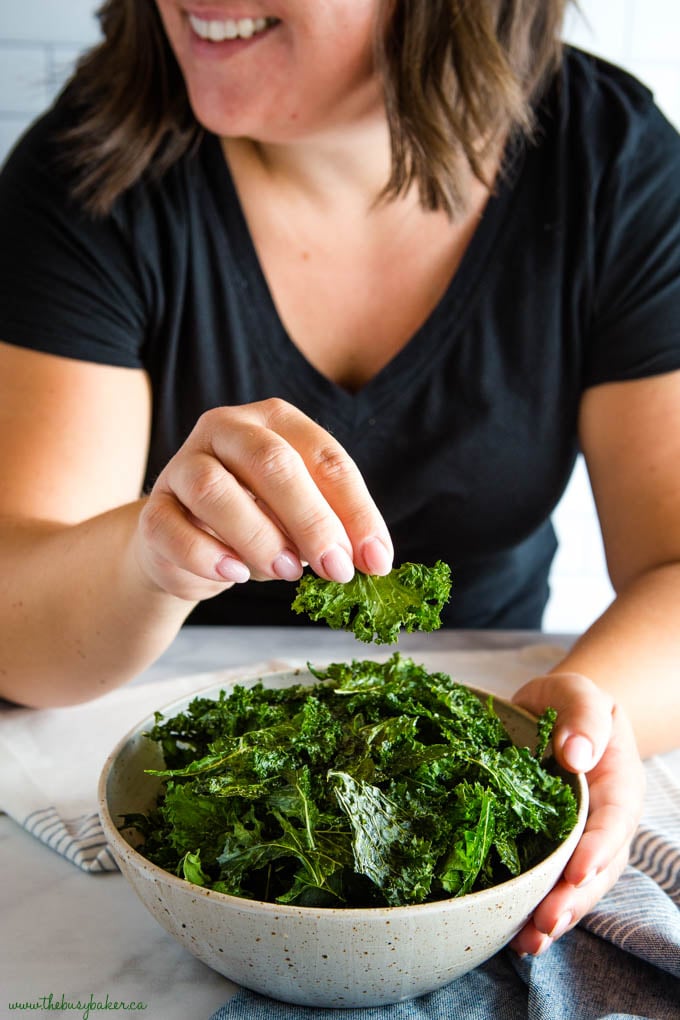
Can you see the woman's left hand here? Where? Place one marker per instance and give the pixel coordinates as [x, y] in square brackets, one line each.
[592, 735]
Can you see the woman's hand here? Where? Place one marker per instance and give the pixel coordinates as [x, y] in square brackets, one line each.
[591, 735]
[257, 491]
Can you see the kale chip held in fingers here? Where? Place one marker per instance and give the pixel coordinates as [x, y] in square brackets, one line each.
[376, 608]
[378, 784]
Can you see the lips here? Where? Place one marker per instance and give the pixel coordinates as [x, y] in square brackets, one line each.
[227, 29]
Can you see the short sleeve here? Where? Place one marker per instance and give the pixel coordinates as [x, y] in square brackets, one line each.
[636, 322]
[67, 280]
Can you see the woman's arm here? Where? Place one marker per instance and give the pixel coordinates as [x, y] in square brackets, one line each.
[617, 691]
[75, 615]
[96, 581]
[630, 436]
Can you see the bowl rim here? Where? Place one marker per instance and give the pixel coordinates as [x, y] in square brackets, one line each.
[120, 845]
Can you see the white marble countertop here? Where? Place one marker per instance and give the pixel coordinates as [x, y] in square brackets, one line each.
[66, 933]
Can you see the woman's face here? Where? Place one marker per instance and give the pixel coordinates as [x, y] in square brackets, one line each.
[275, 70]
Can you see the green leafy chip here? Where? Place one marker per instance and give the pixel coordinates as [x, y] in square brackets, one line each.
[411, 597]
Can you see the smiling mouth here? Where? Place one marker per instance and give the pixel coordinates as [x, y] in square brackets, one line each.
[219, 31]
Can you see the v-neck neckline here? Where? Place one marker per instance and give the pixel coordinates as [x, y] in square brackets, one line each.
[445, 321]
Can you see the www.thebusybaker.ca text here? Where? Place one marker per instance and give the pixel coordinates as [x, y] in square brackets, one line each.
[82, 1006]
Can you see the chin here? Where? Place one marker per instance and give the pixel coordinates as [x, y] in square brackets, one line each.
[218, 117]
[238, 125]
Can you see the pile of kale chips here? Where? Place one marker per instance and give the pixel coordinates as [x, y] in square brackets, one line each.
[378, 784]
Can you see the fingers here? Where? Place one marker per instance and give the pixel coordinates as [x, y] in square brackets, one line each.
[213, 502]
[311, 484]
[616, 784]
[563, 908]
[259, 491]
[175, 535]
[584, 716]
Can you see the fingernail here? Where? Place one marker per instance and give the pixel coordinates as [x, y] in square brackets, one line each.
[587, 878]
[232, 570]
[337, 565]
[578, 753]
[376, 556]
[544, 946]
[287, 566]
[561, 924]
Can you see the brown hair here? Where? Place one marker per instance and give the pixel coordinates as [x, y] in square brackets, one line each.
[460, 77]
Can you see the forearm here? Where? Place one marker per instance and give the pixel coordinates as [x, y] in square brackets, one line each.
[633, 652]
[77, 615]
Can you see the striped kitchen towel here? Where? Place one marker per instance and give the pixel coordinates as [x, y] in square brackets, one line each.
[624, 916]
[50, 760]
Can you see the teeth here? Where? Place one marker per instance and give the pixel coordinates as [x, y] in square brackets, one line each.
[217, 31]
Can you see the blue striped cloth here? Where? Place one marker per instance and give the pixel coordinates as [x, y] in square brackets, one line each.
[641, 914]
[622, 962]
[80, 839]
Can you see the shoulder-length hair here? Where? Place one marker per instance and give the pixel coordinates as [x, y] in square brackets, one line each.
[460, 78]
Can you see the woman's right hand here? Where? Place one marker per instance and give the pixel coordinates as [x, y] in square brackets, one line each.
[258, 491]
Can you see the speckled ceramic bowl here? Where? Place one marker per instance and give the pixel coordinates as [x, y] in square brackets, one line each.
[322, 957]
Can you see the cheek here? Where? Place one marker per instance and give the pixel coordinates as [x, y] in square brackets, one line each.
[171, 19]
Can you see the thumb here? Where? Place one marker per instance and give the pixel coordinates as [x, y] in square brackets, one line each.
[584, 716]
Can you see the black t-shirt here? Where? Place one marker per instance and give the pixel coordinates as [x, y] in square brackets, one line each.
[468, 436]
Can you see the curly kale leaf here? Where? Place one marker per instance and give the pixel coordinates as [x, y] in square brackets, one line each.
[472, 837]
[387, 847]
[545, 728]
[410, 597]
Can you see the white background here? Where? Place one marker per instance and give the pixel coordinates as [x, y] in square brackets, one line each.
[39, 40]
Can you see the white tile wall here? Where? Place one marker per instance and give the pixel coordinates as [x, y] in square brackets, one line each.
[640, 35]
[39, 39]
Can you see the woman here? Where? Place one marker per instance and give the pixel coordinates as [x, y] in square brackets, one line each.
[252, 240]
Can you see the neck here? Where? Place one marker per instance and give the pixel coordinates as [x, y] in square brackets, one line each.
[331, 168]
